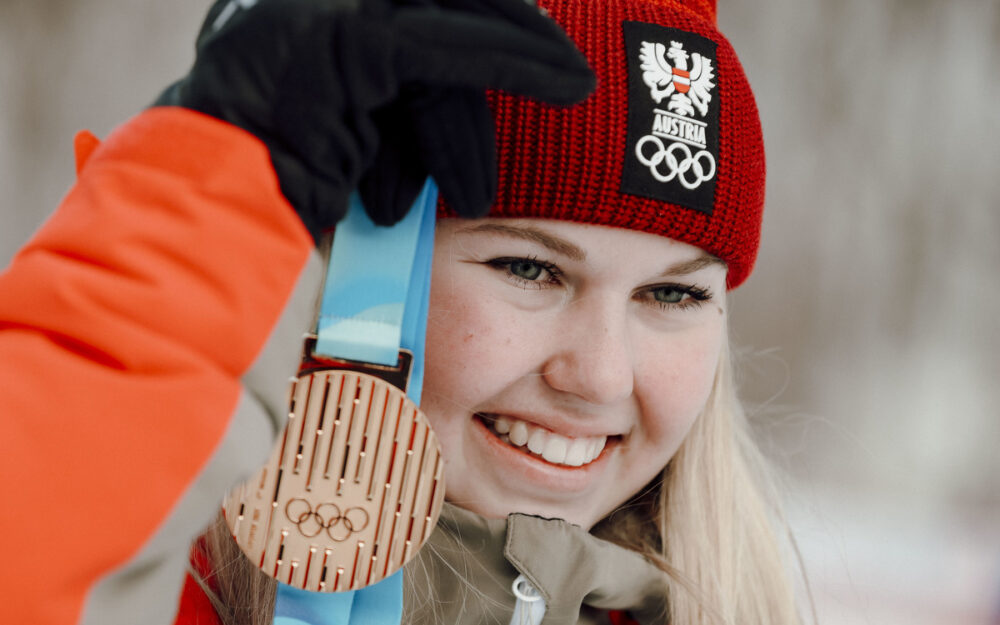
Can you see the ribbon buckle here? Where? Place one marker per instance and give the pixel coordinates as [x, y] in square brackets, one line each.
[398, 375]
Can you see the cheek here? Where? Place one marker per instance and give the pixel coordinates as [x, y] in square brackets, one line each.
[675, 384]
[446, 359]
[460, 337]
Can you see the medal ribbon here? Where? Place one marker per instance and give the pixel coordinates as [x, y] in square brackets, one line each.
[374, 304]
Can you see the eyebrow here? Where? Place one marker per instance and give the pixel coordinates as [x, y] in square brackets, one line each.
[535, 235]
[686, 267]
[575, 252]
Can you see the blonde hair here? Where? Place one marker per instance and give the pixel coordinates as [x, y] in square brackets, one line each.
[712, 521]
[239, 591]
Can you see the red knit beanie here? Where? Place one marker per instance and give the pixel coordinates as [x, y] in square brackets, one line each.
[669, 143]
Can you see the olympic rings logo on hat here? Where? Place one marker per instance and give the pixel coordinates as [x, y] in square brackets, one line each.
[690, 171]
[326, 517]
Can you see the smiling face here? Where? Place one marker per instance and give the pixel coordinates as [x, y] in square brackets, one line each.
[565, 362]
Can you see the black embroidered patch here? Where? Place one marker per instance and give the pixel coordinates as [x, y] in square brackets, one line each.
[672, 148]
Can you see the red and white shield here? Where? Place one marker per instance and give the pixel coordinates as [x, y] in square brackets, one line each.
[682, 80]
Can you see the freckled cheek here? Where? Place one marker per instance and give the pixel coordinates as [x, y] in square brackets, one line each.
[460, 341]
[445, 351]
[675, 384]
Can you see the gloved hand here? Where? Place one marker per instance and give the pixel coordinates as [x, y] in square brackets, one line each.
[381, 89]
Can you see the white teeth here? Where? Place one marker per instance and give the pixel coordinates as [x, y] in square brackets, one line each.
[519, 433]
[555, 450]
[578, 453]
[537, 440]
[597, 448]
[552, 447]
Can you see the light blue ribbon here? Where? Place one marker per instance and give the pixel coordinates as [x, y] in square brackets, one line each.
[374, 303]
[380, 604]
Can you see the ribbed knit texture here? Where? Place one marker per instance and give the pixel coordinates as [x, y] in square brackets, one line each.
[566, 163]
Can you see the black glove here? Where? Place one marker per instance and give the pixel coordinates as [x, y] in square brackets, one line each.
[328, 85]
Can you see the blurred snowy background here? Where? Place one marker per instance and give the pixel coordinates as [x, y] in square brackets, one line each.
[869, 339]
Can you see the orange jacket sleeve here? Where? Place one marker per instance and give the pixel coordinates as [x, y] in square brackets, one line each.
[128, 324]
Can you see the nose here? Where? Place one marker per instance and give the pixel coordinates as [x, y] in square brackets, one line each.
[591, 353]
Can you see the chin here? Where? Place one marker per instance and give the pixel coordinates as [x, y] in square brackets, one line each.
[546, 510]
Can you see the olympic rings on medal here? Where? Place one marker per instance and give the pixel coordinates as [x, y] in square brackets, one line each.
[701, 166]
[311, 522]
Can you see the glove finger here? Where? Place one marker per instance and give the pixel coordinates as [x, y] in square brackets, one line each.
[449, 48]
[394, 180]
[209, 25]
[318, 203]
[222, 13]
[456, 139]
[525, 13]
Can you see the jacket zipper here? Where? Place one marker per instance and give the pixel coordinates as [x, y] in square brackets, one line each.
[529, 609]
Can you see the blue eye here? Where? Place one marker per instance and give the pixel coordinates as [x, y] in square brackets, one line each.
[526, 269]
[527, 272]
[675, 296]
[669, 295]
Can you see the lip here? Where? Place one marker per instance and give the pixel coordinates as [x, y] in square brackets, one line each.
[537, 472]
[563, 427]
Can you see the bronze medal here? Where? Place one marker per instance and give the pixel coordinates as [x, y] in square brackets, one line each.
[352, 489]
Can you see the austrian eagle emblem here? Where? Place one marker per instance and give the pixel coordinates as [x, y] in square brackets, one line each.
[688, 81]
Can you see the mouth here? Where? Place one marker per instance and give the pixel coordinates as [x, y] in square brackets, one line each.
[544, 444]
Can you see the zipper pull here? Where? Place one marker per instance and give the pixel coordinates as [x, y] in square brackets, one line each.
[530, 606]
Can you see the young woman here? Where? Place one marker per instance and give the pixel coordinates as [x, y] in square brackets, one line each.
[577, 369]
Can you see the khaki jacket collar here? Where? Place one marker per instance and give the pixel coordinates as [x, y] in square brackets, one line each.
[465, 572]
